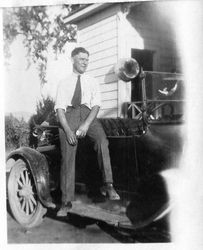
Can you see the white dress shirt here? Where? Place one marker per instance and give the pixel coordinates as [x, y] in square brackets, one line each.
[89, 87]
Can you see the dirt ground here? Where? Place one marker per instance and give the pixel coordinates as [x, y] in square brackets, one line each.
[77, 230]
[57, 231]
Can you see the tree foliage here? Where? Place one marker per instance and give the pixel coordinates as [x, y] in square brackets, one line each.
[16, 132]
[40, 27]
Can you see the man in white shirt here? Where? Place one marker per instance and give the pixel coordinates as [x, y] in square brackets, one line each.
[77, 105]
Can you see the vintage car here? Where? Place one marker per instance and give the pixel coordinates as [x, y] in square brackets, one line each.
[142, 145]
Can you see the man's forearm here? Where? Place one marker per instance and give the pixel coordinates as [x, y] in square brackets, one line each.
[62, 120]
[92, 115]
[83, 128]
[70, 135]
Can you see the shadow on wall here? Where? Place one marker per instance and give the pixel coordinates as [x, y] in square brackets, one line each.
[116, 93]
[109, 94]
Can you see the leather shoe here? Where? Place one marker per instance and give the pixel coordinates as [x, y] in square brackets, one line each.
[65, 207]
[109, 191]
[50, 204]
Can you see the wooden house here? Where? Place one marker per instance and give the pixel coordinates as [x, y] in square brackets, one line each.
[110, 31]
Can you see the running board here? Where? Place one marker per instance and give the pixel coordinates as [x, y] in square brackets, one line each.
[98, 213]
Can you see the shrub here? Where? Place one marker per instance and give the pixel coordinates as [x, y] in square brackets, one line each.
[16, 132]
[44, 112]
[19, 133]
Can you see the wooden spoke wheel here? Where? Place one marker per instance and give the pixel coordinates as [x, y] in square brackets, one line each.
[23, 200]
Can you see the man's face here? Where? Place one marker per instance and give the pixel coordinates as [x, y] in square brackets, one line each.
[80, 62]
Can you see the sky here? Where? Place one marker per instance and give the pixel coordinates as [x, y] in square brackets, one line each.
[22, 85]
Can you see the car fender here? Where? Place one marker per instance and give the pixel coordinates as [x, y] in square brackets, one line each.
[39, 167]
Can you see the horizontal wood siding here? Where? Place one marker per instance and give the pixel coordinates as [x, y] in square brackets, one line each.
[98, 28]
[109, 95]
[107, 78]
[99, 36]
[112, 113]
[105, 53]
[102, 62]
[108, 104]
[103, 45]
[104, 36]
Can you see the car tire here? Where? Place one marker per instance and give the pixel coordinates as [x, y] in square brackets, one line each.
[22, 195]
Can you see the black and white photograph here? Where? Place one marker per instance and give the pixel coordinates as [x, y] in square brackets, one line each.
[101, 115]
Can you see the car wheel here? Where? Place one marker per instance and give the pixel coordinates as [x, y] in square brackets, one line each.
[22, 195]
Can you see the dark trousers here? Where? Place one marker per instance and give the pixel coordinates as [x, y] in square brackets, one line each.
[75, 116]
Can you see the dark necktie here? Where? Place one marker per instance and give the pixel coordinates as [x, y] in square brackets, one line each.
[76, 100]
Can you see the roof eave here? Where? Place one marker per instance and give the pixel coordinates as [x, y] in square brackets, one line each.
[89, 10]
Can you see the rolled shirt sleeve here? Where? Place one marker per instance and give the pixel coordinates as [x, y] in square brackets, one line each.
[60, 101]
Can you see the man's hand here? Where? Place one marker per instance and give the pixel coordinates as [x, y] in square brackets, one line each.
[82, 130]
[71, 137]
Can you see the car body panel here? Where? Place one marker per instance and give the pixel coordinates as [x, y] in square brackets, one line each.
[39, 168]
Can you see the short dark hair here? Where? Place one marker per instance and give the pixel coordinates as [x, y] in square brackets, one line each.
[78, 50]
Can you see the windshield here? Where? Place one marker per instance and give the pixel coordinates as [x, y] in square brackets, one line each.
[161, 96]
